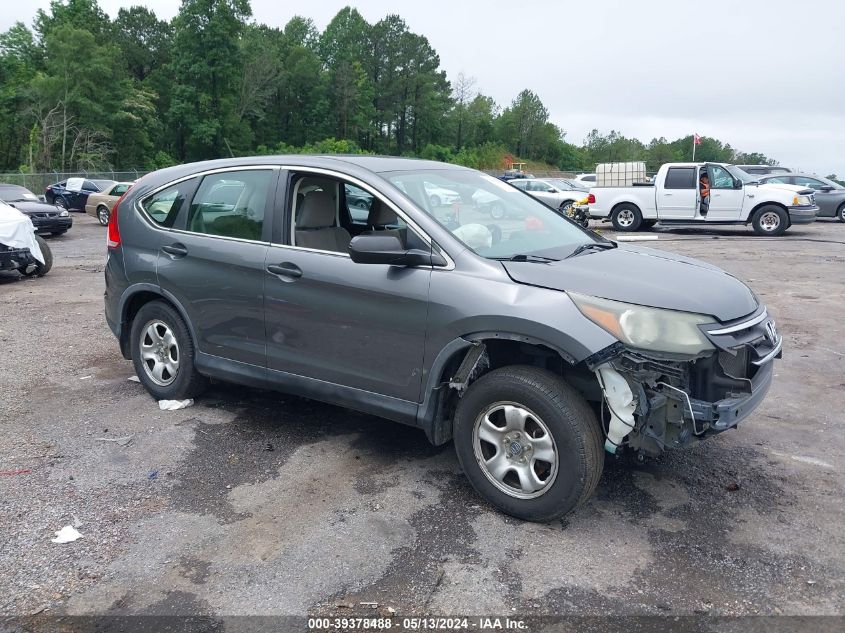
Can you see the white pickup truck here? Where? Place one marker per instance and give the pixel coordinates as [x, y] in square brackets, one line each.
[675, 198]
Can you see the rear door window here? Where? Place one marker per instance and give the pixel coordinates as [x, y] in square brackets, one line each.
[680, 178]
[231, 204]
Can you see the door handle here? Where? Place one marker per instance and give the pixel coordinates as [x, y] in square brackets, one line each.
[667, 194]
[176, 250]
[285, 269]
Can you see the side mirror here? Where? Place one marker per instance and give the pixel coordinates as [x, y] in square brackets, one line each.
[737, 184]
[388, 249]
[826, 188]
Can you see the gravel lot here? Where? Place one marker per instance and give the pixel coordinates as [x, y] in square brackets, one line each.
[252, 502]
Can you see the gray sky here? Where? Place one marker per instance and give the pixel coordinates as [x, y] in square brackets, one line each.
[761, 75]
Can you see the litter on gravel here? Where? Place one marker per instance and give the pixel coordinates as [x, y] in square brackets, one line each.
[67, 534]
[175, 405]
[126, 440]
[133, 379]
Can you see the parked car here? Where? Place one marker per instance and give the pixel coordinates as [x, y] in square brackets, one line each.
[588, 180]
[99, 205]
[514, 174]
[830, 195]
[554, 195]
[46, 218]
[440, 196]
[21, 249]
[761, 170]
[72, 194]
[511, 344]
[567, 184]
[675, 198]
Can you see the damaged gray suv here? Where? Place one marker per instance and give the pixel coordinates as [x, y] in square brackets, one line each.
[533, 344]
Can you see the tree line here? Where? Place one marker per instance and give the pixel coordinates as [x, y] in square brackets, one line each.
[82, 91]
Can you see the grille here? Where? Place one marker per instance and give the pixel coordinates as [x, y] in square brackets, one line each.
[735, 366]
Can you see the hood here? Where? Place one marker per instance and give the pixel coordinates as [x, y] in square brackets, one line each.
[646, 277]
[784, 186]
[33, 207]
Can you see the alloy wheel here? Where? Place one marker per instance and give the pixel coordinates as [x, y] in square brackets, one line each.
[769, 221]
[159, 353]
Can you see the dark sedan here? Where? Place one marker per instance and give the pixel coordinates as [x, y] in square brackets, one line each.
[46, 218]
[830, 195]
[72, 194]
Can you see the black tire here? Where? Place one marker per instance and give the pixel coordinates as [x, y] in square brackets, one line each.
[186, 381]
[840, 213]
[43, 269]
[565, 207]
[57, 233]
[103, 215]
[626, 217]
[770, 220]
[497, 211]
[570, 421]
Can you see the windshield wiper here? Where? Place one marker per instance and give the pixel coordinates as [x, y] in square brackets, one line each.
[591, 245]
[521, 257]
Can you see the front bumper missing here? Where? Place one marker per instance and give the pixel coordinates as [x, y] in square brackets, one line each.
[671, 402]
[728, 413]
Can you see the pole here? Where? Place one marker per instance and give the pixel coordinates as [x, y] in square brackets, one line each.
[693, 147]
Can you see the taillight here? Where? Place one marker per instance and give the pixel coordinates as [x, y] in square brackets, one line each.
[114, 232]
[591, 199]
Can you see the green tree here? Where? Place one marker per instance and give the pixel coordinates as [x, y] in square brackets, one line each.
[206, 69]
[143, 40]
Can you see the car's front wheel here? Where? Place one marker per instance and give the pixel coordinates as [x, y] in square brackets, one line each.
[770, 220]
[163, 353]
[528, 443]
[840, 213]
[103, 215]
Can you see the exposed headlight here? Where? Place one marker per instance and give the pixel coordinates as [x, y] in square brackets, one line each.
[802, 201]
[63, 213]
[653, 329]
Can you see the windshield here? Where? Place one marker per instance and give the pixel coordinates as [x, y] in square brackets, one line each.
[489, 216]
[16, 194]
[737, 173]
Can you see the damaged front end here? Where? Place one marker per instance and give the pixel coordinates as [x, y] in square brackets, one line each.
[656, 401]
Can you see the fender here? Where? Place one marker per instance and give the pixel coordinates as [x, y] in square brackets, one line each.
[429, 414]
[123, 307]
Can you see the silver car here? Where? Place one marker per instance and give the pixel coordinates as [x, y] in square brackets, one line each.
[557, 193]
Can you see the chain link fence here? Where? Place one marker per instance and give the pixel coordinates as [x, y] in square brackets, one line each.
[37, 183]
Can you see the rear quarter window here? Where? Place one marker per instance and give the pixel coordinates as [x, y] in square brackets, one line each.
[163, 206]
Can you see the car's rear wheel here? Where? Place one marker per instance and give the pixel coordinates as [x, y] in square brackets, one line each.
[103, 215]
[626, 217]
[770, 220]
[163, 353]
[840, 213]
[565, 207]
[528, 443]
